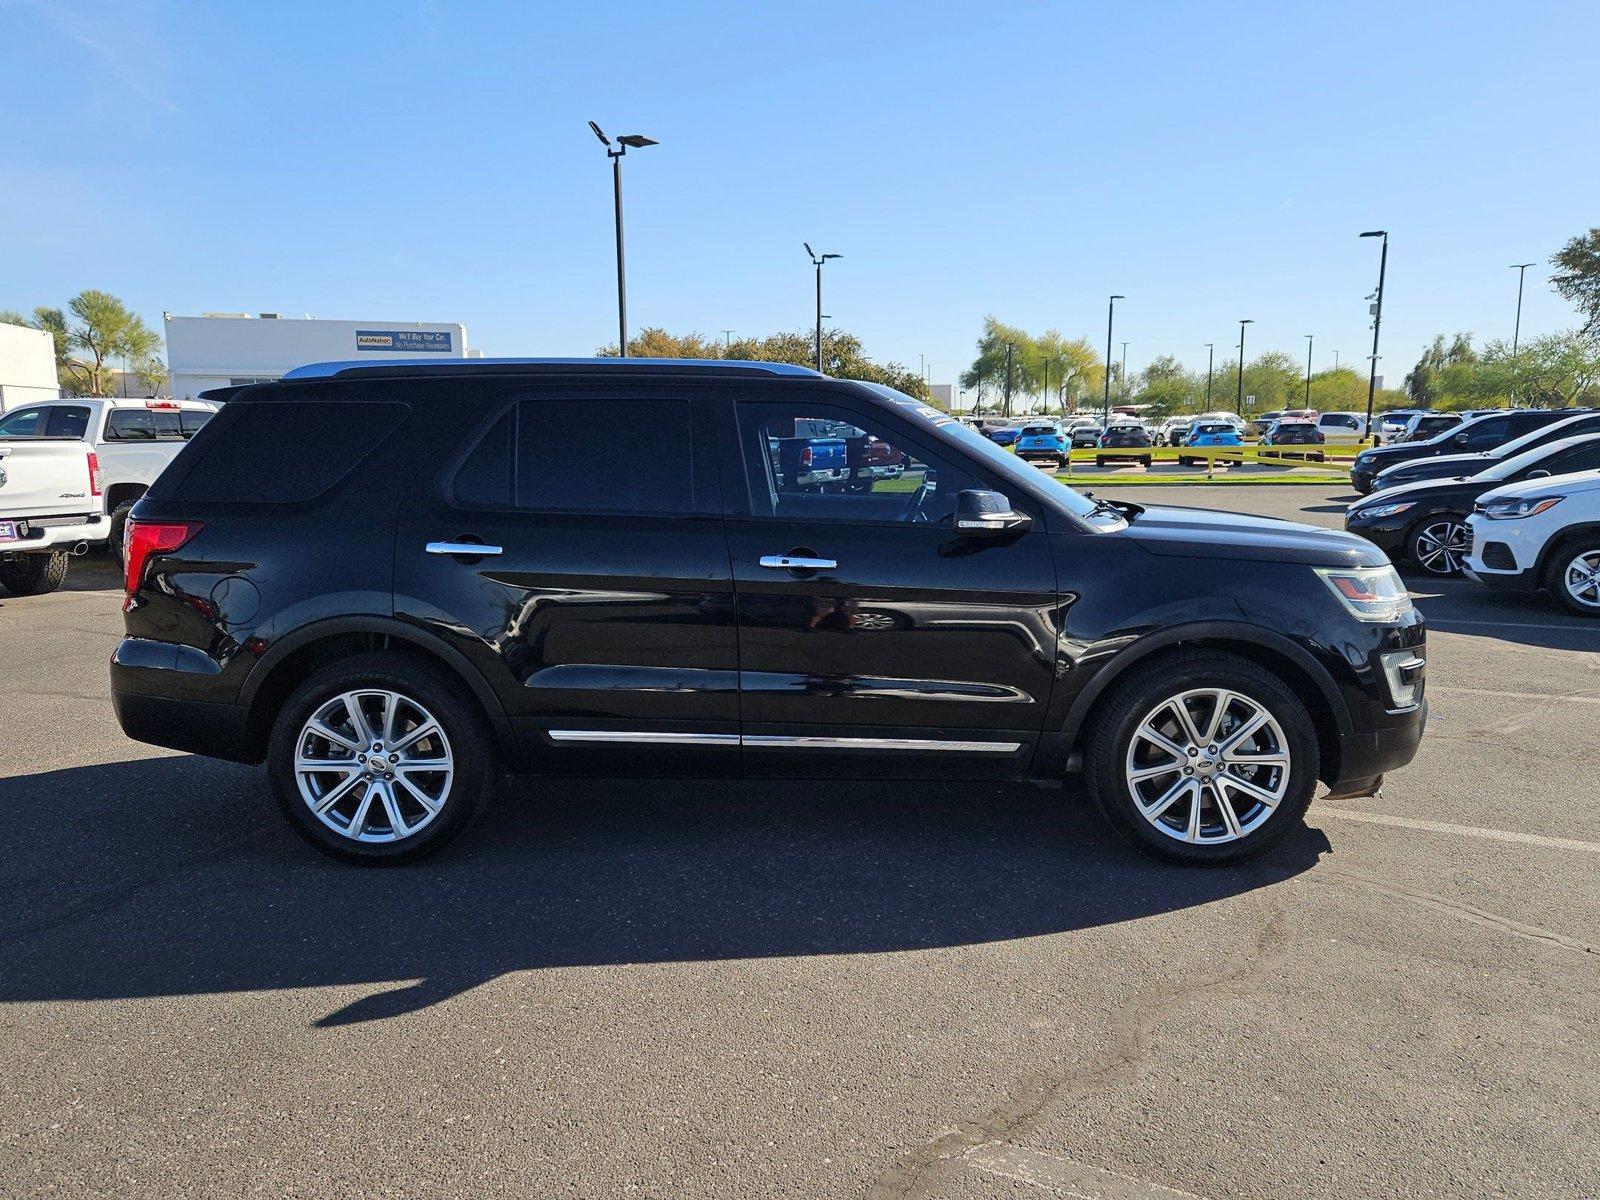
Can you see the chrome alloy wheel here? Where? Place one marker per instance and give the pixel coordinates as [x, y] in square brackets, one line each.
[1441, 546]
[1582, 578]
[373, 766]
[1208, 765]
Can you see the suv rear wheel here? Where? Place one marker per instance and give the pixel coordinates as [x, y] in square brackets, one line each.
[1204, 758]
[1573, 575]
[34, 574]
[380, 759]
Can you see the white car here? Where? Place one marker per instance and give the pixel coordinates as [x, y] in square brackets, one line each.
[69, 472]
[1540, 533]
[1342, 428]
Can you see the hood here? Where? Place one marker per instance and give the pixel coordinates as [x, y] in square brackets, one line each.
[1417, 490]
[1582, 482]
[1208, 533]
[1449, 464]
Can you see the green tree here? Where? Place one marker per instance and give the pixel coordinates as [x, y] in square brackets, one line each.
[1420, 384]
[1338, 389]
[1577, 277]
[987, 374]
[1066, 368]
[843, 356]
[1551, 371]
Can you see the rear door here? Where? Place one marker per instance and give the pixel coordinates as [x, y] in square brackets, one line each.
[601, 609]
[872, 639]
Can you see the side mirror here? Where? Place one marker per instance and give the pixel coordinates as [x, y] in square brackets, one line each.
[1461, 439]
[987, 514]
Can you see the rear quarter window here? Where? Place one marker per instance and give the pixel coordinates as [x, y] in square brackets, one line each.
[282, 452]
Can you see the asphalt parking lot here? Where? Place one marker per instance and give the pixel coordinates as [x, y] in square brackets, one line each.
[696, 990]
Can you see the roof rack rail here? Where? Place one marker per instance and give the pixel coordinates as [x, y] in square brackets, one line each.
[330, 370]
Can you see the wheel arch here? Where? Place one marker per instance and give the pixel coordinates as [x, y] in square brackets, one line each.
[123, 493]
[1303, 674]
[297, 656]
[1554, 544]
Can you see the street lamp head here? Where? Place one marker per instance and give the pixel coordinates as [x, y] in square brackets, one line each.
[603, 138]
[826, 257]
[1248, 321]
[1520, 266]
[637, 140]
[1119, 297]
[1376, 233]
[809, 250]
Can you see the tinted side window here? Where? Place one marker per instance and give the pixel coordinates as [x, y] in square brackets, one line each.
[283, 452]
[1488, 433]
[605, 456]
[1578, 458]
[67, 421]
[484, 479]
[24, 422]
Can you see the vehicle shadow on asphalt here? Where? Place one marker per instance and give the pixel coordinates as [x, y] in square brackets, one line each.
[176, 875]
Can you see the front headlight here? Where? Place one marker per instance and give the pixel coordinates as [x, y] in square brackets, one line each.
[1511, 510]
[1384, 510]
[1368, 593]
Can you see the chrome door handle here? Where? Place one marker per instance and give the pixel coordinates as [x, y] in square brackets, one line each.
[785, 562]
[473, 548]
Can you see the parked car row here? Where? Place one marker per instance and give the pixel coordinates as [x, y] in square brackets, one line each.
[1522, 514]
[70, 472]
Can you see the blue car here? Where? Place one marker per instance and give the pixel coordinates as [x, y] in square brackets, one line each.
[1042, 441]
[1211, 433]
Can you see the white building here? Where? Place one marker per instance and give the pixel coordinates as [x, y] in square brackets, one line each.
[219, 349]
[27, 366]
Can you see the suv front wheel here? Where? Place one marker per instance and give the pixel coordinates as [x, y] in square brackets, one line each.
[380, 759]
[1204, 758]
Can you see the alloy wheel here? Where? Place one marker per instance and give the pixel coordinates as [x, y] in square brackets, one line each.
[1441, 546]
[1208, 765]
[1582, 579]
[374, 765]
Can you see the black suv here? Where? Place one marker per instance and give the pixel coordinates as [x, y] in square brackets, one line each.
[389, 581]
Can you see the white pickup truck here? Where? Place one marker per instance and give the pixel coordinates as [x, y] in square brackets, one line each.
[69, 472]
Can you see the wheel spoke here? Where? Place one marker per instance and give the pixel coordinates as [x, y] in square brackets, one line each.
[333, 795]
[1189, 728]
[342, 766]
[1150, 733]
[1221, 710]
[391, 707]
[323, 730]
[1167, 798]
[417, 794]
[1142, 773]
[1230, 818]
[1243, 733]
[358, 823]
[416, 735]
[422, 764]
[391, 808]
[1254, 790]
[358, 719]
[1192, 832]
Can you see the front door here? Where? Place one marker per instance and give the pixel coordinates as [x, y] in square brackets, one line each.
[601, 609]
[873, 640]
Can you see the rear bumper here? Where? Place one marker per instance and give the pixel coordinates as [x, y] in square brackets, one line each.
[176, 696]
[40, 534]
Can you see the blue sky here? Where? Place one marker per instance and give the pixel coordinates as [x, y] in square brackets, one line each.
[432, 162]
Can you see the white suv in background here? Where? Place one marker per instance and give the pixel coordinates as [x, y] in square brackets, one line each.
[1542, 532]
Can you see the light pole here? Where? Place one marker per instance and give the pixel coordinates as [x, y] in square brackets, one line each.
[1516, 333]
[1335, 360]
[817, 260]
[1309, 338]
[638, 141]
[1111, 309]
[1006, 411]
[1377, 320]
[1238, 400]
[1211, 357]
[1124, 379]
[727, 340]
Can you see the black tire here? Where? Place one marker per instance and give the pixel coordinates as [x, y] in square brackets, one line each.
[1099, 461]
[1184, 462]
[119, 521]
[34, 574]
[1425, 549]
[1119, 714]
[1555, 571]
[468, 737]
[1145, 461]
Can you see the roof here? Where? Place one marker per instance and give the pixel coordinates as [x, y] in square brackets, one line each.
[518, 366]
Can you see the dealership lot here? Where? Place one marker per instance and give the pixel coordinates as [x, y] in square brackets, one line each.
[807, 989]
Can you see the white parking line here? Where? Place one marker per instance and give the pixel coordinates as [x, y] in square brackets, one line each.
[1065, 1177]
[1474, 831]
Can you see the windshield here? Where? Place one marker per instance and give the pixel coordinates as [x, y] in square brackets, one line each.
[1002, 462]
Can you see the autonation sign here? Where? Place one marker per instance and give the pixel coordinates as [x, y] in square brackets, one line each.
[390, 340]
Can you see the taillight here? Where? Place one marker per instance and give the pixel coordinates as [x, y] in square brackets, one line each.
[94, 473]
[144, 538]
[805, 456]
